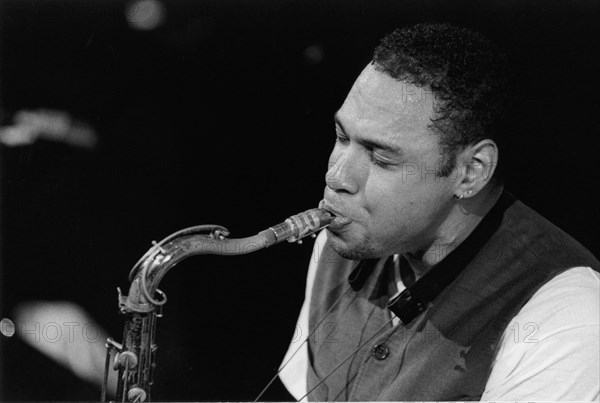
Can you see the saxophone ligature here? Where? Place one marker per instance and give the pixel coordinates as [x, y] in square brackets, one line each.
[134, 358]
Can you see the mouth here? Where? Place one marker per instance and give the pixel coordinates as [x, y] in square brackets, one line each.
[339, 220]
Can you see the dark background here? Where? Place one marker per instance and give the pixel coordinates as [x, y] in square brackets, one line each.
[221, 115]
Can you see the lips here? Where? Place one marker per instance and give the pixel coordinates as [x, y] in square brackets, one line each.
[340, 220]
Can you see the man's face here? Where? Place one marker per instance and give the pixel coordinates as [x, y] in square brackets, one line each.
[382, 171]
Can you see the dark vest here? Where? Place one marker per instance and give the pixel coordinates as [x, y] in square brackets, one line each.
[446, 351]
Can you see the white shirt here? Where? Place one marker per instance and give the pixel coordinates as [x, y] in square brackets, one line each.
[549, 352]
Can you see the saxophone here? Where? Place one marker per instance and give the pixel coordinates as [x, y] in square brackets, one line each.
[135, 357]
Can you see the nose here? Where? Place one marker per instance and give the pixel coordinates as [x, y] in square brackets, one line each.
[342, 175]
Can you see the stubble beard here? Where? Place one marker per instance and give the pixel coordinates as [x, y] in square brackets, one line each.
[364, 250]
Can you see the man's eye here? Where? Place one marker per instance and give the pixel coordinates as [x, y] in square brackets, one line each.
[341, 139]
[379, 161]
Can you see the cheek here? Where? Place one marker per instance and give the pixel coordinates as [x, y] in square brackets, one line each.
[385, 198]
[394, 199]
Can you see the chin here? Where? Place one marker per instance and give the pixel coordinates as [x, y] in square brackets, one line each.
[359, 251]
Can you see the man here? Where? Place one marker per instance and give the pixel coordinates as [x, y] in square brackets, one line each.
[433, 283]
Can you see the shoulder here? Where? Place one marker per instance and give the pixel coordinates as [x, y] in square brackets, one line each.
[569, 299]
[551, 349]
[538, 236]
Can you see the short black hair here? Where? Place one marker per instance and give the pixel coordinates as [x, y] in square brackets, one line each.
[467, 74]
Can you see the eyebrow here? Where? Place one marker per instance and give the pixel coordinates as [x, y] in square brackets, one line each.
[370, 143]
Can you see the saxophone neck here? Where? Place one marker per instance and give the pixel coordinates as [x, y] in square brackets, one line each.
[208, 240]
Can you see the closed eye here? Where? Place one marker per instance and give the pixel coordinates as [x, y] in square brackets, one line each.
[379, 161]
[340, 138]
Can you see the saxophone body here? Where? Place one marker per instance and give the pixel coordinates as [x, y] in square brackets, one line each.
[135, 358]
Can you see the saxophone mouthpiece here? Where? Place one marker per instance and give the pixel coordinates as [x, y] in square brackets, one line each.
[299, 226]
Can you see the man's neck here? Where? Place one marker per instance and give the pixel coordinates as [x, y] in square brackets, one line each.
[462, 220]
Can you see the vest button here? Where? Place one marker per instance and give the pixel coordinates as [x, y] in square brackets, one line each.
[380, 352]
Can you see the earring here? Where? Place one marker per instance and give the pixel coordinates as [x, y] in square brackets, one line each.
[455, 197]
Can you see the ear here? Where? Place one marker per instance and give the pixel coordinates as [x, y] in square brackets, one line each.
[478, 163]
